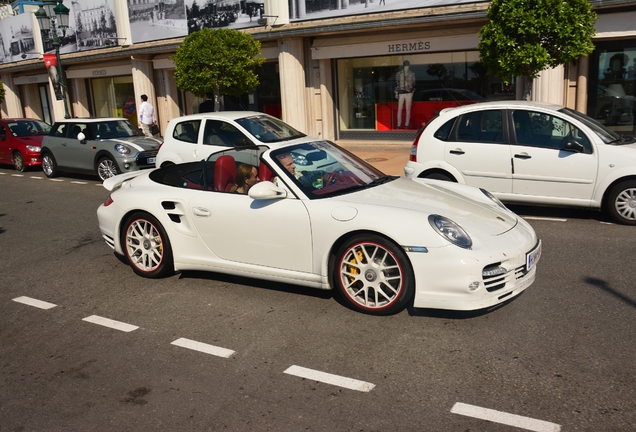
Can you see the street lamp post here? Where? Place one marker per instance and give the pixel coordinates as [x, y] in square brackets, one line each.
[49, 24]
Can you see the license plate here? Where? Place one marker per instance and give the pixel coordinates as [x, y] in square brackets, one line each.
[151, 160]
[532, 257]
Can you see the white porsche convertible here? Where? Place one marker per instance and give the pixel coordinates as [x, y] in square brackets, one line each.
[329, 221]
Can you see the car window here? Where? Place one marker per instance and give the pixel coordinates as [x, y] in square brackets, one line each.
[111, 129]
[543, 130]
[59, 130]
[221, 133]
[443, 133]
[187, 131]
[481, 126]
[76, 129]
[268, 129]
[28, 128]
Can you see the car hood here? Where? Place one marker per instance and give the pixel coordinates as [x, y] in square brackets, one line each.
[31, 140]
[146, 143]
[465, 205]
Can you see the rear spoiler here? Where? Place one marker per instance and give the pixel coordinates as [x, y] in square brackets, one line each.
[115, 182]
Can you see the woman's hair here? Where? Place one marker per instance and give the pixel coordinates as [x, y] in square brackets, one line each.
[243, 172]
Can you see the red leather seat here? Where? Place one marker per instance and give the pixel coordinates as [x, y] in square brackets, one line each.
[224, 173]
[264, 173]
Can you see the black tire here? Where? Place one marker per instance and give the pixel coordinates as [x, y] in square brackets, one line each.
[49, 166]
[106, 168]
[373, 275]
[439, 176]
[621, 202]
[18, 162]
[147, 246]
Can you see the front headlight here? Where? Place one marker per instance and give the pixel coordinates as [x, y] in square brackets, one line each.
[450, 231]
[122, 149]
[33, 148]
[493, 198]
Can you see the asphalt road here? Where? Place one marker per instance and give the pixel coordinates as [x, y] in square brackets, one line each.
[558, 357]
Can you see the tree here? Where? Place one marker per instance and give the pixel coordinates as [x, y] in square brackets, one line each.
[2, 92]
[219, 61]
[524, 37]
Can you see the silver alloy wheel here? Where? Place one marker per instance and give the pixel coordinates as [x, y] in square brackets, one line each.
[18, 162]
[144, 245]
[371, 275]
[625, 204]
[106, 169]
[47, 165]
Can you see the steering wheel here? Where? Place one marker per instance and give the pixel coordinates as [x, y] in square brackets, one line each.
[332, 177]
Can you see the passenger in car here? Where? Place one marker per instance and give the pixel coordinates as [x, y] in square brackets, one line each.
[246, 177]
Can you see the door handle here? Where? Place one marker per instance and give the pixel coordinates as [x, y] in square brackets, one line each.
[523, 156]
[457, 151]
[201, 212]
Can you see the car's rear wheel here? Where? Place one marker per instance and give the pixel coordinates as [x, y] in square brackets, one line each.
[106, 168]
[18, 162]
[439, 176]
[373, 275]
[49, 166]
[621, 202]
[147, 247]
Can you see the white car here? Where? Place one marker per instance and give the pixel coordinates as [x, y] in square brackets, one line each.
[383, 242]
[530, 153]
[195, 137]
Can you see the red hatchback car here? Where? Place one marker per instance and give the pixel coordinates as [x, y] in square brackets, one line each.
[20, 142]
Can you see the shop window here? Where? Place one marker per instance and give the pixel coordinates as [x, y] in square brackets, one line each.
[405, 92]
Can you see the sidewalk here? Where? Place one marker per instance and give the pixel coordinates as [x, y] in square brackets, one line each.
[389, 157]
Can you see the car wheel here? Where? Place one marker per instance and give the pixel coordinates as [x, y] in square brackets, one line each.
[621, 203]
[147, 247]
[439, 176]
[18, 162]
[106, 168]
[49, 166]
[373, 275]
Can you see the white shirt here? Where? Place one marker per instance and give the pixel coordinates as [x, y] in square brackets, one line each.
[146, 113]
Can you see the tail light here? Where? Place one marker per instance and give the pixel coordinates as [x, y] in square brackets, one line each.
[413, 156]
[108, 201]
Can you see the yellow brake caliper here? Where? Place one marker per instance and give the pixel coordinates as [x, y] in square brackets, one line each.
[352, 269]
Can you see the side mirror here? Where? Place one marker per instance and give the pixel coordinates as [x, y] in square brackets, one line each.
[266, 190]
[574, 147]
[81, 137]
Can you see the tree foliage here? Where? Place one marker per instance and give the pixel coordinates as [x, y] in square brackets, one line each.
[220, 61]
[524, 37]
[2, 92]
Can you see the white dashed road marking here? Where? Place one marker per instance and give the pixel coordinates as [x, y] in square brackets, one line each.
[37, 178]
[504, 418]
[17, 175]
[34, 302]
[57, 180]
[117, 325]
[79, 182]
[328, 378]
[544, 218]
[203, 347]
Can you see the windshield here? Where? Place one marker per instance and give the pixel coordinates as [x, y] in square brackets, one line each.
[113, 129]
[268, 129]
[607, 135]
[25, 128]
[321, 169]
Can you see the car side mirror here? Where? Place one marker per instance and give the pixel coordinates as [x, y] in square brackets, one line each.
[574, 147]
[266, 190]
[81, 137]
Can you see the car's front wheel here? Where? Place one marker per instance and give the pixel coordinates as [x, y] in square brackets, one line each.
[621, 202]
[439, 176]
[18, 162]
[49, 166]
[106, 168]
[146, 246]
[373, 275]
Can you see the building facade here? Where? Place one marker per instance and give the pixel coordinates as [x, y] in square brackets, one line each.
[336, 71]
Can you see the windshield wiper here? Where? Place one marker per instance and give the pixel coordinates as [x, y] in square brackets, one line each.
[623, 140]
[385, 179]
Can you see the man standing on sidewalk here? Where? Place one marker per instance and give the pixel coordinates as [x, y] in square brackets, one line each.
[146, 116]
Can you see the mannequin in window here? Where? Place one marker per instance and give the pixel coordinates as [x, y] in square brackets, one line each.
[405, 86]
